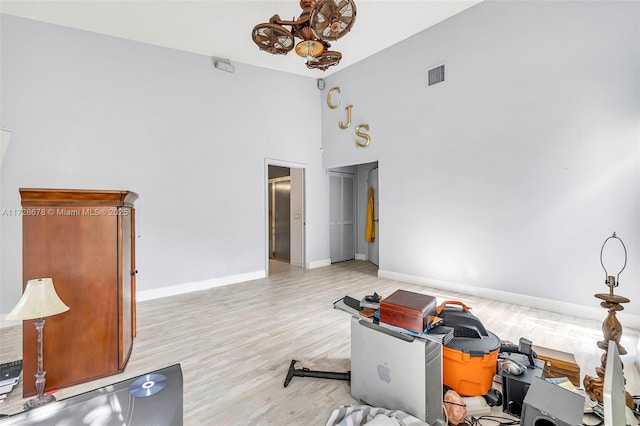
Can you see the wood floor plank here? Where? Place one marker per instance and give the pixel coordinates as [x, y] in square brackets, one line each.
[235, 343]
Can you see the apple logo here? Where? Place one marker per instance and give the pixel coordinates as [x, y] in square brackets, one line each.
[384, 373]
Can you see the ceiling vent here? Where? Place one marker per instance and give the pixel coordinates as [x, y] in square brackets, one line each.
[436, 75]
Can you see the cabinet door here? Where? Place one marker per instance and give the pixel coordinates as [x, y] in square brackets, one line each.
[125, 288]
[77, 249]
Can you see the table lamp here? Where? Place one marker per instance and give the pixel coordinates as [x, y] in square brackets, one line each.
[611, 327]
[39, 300]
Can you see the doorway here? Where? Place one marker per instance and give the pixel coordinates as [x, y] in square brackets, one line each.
[349, 189]
[285, 217]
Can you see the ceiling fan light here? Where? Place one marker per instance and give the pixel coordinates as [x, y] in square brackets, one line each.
[309, 48]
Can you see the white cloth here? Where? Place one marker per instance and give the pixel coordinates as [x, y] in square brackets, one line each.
[357, 415]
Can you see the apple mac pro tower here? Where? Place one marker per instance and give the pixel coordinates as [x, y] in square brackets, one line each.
[396, 371]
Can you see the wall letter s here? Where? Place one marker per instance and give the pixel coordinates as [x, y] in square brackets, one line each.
[362, 135]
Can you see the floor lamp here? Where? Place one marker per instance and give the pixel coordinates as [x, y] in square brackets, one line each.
[39, 300]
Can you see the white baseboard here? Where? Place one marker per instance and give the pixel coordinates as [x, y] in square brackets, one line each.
[589, 312]
[319, 263]
[211, 283]
[582, 311]
[174, 290]
[361, 256]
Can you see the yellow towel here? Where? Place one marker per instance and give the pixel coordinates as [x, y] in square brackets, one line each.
[371, 229]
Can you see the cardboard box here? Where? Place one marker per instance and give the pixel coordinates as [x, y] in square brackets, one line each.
[408, 310]
[559, 364]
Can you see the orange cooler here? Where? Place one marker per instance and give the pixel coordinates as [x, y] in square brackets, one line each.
[469, 364]
[470, 359]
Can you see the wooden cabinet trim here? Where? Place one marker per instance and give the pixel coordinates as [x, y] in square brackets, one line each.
[32, 197]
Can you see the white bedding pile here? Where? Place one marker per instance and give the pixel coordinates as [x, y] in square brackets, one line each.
[357, 415]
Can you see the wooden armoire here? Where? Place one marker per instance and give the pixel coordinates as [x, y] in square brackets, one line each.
[85, 241]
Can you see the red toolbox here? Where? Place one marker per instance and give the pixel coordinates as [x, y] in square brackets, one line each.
[408, 310]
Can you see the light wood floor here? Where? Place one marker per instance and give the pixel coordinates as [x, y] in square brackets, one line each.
[235, 343]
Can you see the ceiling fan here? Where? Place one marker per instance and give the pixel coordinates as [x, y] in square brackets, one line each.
[320, 22]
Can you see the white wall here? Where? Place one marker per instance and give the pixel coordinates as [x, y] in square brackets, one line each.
[507, 177]
[91, 111]
[510, 175]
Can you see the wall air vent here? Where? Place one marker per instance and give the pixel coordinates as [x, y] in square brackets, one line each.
[436, 75]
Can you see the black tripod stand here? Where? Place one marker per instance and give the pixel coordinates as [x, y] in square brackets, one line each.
[305, 372]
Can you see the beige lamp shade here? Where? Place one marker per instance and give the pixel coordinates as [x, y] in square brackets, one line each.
[39, 300]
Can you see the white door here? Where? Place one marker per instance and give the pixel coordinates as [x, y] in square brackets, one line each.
[373, 247]
[342, 216]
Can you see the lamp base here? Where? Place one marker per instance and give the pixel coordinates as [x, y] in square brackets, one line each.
[38, 401]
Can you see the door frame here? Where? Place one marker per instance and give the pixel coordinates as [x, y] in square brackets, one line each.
[361, 171]
[292, 165]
